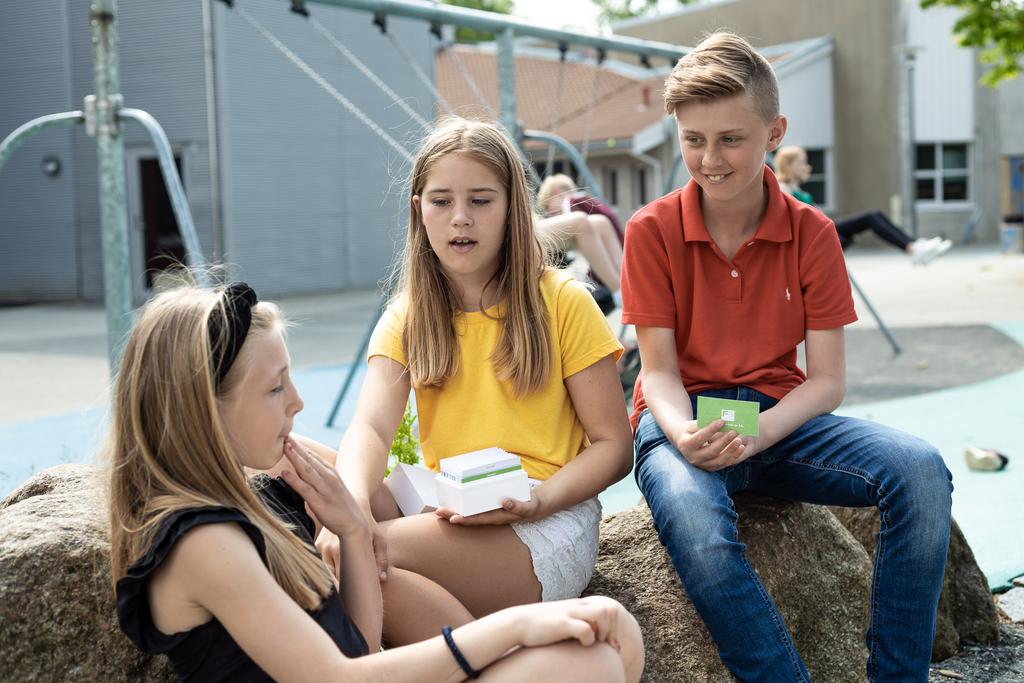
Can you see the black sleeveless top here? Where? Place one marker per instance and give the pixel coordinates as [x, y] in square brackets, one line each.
[208, 652]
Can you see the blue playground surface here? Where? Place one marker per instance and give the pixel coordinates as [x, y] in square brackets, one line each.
[986, 505]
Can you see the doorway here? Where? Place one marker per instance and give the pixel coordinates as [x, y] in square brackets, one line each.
[162, 246]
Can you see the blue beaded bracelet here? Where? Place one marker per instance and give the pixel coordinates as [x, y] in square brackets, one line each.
[457, 653]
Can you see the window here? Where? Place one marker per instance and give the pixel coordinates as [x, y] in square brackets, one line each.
[558, 166]
[611, 186]
[641, 186]
[817, 182]
[942, 173]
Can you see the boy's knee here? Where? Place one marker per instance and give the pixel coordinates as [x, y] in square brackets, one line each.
[925, 473]
[702, 546]
[926, 486]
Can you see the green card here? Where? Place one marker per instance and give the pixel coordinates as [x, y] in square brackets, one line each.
[740, 416]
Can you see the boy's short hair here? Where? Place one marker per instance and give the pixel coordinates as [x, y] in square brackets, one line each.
[723, 65]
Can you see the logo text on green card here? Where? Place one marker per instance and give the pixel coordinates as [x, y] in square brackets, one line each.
[740, 416]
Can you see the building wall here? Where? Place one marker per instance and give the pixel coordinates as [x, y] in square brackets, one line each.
[868, 157]
[865, 76]
[943, 76]
[51, 226]
[312, 197]
[38, 245]
[945, 108]
[1009, 97]
[810, 116]
[1006, 137]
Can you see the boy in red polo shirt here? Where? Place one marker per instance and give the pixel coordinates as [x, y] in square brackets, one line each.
[723, 278]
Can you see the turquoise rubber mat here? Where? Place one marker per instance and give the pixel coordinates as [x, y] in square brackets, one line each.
[989, 506]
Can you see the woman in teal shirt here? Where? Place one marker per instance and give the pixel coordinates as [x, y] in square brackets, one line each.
[792, 169]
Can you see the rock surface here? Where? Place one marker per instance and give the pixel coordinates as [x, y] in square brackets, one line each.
[818, 574]
[967, 612]
[1012, 603]
[57, 617]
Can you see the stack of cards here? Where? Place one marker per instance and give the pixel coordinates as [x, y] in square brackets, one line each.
[477, 482]
[468, 484]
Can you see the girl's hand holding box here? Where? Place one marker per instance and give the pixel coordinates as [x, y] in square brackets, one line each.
[511, 511]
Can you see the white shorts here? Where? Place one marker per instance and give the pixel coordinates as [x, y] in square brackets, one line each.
[563, 547]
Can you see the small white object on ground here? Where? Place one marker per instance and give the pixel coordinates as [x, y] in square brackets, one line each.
[985, 459]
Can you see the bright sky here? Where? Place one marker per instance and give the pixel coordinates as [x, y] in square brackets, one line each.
[578, 14]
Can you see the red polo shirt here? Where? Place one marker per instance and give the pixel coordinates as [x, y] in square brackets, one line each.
[736, 322]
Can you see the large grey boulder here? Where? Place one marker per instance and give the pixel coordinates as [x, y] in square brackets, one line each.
[817, 573]
[57, 615]
[967, 611]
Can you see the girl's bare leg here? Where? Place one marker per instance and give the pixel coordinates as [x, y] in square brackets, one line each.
[484, 568]
[566, 661]
[563, 228]
[416, 608]
[609, 239]
[579, 226]
[573, 662]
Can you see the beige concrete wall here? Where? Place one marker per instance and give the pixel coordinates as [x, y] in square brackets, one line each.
[866, 77]
[989, 135]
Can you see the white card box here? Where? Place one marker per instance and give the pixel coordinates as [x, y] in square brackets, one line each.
[413, 488]
[483, 494]
[476, 465]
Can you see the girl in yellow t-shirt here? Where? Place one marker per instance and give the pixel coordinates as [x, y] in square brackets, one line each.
[501, 350]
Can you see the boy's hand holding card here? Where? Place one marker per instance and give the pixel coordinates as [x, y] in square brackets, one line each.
[742, 417]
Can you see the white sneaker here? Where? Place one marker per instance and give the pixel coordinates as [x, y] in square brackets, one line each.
[924, 251]
[985, 459]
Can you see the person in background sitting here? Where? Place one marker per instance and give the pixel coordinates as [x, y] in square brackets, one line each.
[792, 169]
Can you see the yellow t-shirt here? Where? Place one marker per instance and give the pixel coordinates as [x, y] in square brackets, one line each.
[477, 410]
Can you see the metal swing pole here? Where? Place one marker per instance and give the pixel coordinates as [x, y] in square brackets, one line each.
[507, 82]
[896, 348]
[117, 284]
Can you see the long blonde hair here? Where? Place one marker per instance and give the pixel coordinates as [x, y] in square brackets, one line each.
[557, 183]
[785, 157]
[167, 448]
[523, 352]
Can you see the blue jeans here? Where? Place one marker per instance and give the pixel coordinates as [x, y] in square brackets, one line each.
[830, 460]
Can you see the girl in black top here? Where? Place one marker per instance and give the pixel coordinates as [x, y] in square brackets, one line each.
[219, 573]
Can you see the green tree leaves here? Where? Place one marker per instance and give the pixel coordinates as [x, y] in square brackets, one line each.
[996, 28]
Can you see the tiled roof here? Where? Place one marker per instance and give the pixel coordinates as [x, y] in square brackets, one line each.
[623, 105]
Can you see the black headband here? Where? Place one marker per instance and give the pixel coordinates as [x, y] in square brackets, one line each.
[226, 343]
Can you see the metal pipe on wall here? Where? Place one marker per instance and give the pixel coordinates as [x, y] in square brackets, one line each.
[22, 133]
[175, 191]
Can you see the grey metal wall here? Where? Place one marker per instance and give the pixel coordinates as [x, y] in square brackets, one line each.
[311, 195]
[161, 51]
[50, 226]
[37, 222]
